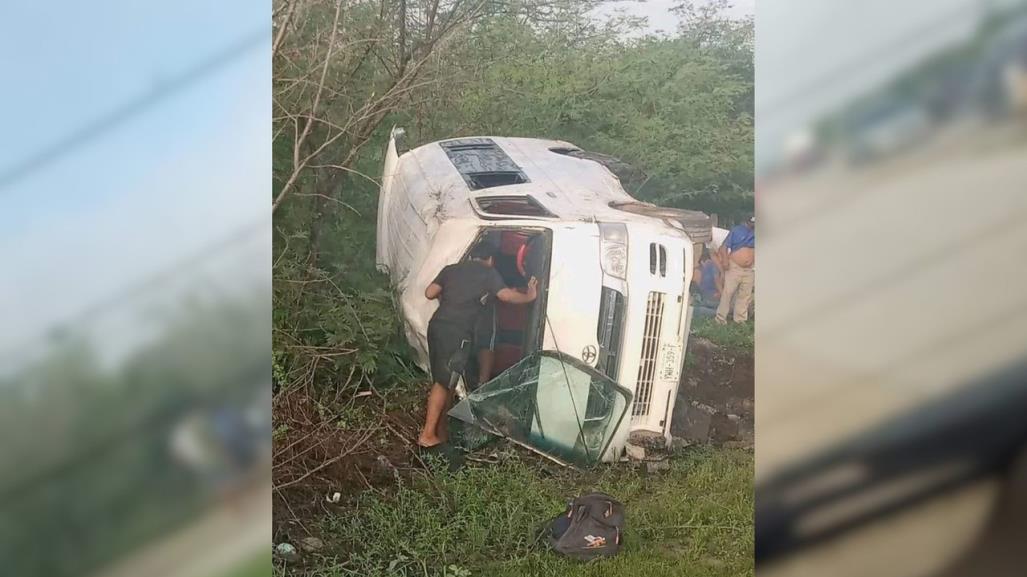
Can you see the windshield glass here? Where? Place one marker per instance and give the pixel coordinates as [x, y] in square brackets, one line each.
[551, 402]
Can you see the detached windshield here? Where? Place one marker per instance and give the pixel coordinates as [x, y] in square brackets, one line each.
[551, 402]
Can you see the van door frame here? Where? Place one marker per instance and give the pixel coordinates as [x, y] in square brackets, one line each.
[538, 310]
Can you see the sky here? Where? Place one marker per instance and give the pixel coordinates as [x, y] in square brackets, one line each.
[177, 176]
[658, 14]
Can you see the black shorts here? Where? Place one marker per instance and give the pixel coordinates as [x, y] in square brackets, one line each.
[485, 329]
[445, 340]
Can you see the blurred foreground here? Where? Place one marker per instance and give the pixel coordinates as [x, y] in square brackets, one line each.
[134, 354]
[892, 339]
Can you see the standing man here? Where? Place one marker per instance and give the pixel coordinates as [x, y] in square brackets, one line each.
[737, 257]
[463, 290]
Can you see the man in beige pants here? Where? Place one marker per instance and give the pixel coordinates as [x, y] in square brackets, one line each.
[737, 256]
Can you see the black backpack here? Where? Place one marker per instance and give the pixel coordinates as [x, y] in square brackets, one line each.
[590, 527]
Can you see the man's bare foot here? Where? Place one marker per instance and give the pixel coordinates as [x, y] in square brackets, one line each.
[427, 442]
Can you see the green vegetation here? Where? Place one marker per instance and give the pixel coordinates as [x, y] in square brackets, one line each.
[86, 474]
[734, 336]
[695, 519]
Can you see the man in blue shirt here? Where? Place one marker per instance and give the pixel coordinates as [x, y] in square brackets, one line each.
[737, 258]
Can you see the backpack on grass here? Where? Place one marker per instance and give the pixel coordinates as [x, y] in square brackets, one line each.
[589, 528]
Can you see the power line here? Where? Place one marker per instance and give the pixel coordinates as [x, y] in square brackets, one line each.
[131, 109]
[123, 298]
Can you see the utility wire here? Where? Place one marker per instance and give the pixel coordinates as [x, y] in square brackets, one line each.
[131, 109]
[106, 123]
[122, 298]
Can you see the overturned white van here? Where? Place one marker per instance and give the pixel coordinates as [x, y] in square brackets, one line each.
[613, 281]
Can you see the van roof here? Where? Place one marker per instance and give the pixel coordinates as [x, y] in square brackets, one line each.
[456, 172]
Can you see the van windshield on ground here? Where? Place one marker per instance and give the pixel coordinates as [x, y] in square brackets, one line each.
[551, 402]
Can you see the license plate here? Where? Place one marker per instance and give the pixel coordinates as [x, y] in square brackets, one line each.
[670, 362]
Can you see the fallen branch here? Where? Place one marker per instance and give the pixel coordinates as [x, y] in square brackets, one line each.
[352, 448]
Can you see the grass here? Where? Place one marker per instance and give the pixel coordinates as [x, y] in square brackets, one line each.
[734, 336]
[695, 519]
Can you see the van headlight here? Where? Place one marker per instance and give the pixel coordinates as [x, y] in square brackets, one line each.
[613, 249]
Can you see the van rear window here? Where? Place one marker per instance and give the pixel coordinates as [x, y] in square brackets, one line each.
[482, 163]
[521, 205]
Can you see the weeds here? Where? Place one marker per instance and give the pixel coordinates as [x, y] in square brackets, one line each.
[695, 519]
[733, 336]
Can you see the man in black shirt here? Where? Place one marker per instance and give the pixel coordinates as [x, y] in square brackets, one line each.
[463, 290]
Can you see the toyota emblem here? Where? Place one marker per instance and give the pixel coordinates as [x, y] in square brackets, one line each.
[588, 354]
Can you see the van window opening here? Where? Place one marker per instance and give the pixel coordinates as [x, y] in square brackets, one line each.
[482, 163]
[525, 205]
[520, 254]
[480, 180]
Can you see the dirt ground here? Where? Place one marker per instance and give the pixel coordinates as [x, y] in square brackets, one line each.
[321, 465]
[716, 399]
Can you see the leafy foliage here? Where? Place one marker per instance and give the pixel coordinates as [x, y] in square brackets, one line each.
[86, 473]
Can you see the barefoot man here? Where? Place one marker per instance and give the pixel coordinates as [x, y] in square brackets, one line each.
[737, 257]
[463, 290]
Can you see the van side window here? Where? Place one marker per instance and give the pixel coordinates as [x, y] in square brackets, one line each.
[522, 205]
[482, 163]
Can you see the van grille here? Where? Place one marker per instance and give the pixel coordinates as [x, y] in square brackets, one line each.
[647, 363]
